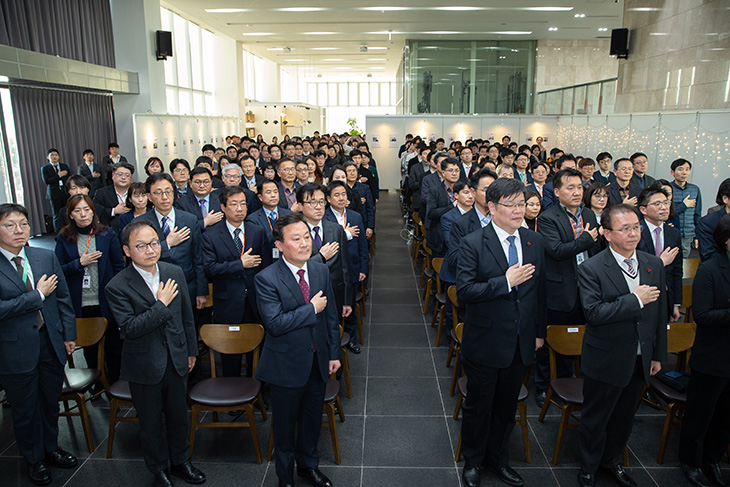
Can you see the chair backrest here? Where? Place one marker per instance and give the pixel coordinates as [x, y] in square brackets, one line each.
[686, 295]
[241, 338]
[209, 297]
[90, 331]
[680, 336]
[566, 340]
[416, 218]
[436, 264]
[451, 292]
[459, 331]
[689, 268]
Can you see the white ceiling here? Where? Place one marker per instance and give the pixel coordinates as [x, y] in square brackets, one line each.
[326, 37]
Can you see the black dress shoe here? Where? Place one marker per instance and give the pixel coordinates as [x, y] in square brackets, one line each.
[314, 476]
[586, 479]
[471, 477]
[713, 472]
[353, 347]
[620, 475]
[651, 400]
[694, 476]
[61, 458]
[39, 473]
[188, 473]
[284, 483]
[162, 479]
[540, 398]
[508, 475]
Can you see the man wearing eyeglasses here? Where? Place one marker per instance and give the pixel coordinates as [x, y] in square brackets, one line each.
[203, 202]
[38, 331]
[110, 201]
[150, 301]
[441, 199]
[625, 341]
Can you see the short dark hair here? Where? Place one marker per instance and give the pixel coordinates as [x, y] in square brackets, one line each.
[150, 161]
[307, 191]
[484, 172]
[680, 162]
[156, 178]
[603, 155]
[113, 145]
[208, 147]
[88, 151]
[354, 152]
[77, 180]
[506, 152]
[647, 193]
[594, 188]
[504, 188]
[635, 155]
[200, 170]
[229, 191]
[720, 234]
[619, 161]
[335, 184]
[285, 221]
[543, 164]
[262, 181]
[52, 149]
[563, 174]
[203, 160]
[460, 185]
[449, 161]
[123, 165]
[319, 152]
[135, 224]
[561, 160]
[586, 161]
[176, 162]
[723, 190]
[620, 209]
[8, 208]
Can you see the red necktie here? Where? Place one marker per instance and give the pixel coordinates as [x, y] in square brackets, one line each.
[303, 285]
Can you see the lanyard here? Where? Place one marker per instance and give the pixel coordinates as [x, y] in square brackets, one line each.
[88, 240]
[291, 201]
[450, 193]
[243, 245]
[268, 219]
[572, 227]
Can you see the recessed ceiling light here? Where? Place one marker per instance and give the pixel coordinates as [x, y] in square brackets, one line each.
[274, 48]
[258, 33]
[443, 32]
[552, 29]
[225, 10]
[547, 9]
[511, 32]
[579, 16]
[332, 59]
[376, 59]
[384, 9]
[645, 9]
[377, 48]
[301, 9]
[502, 57]
[323, 48]
[458, 9]
[659, 33]
[318, 33]
[602, 29]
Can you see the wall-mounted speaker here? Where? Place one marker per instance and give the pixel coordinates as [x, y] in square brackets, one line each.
[620, 43]
[164, 44]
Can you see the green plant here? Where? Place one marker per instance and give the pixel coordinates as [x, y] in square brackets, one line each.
[354, 130]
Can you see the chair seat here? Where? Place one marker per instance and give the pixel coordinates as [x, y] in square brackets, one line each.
[120, 390]
[358, 296]
[225, 391]
[666, 393]
[441, 298]
[79, 380]
[345, 339]
[453, 336]
[332, 390]
[523, 393]
[429, 273]
[569, 390]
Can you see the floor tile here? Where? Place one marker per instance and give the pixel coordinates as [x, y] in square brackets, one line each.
[403, 396]
[396, 314]
[407, 442]
[410, 477]
[387, 336]
[400, 362]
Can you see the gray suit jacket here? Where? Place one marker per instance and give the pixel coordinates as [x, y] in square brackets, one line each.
[151, 329]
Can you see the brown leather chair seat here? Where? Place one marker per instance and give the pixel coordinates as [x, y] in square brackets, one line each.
[79, 380]
[523, 393]
[666, 393]
[120, 390]
[441, 298]
[569, 390]
[225, 391]
[332, 390]
[344, 339]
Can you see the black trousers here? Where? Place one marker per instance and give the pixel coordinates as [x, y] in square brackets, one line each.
[564, 364]
[607, 418]
[34, 398]
[489, 411]
[705, 433]
[297, 423]
[58, 208]
[150, 401]
[351, 321]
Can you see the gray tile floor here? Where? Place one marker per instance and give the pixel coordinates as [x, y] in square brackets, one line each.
[398, 431]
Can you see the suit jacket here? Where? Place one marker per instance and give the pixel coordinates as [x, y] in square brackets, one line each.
[97, 182]
[437, 204]
[548, 195]
[357, 247]
[497, 319]
[185, 255]
[705, 227]
[19, 338]
[106, 167]
[616, 323]
[528, 176]
[189, 203]
[283, 202]
[259, 218]
[673, 272]
[150, 329]
[110, 263]
[561, 249]
[647, 180]
[54, 191]
[428, 182]
[446, 222]
[232, 283]
[614, 195]
[532, 187]
[598, 177]
[462, 172]
[460, 228]
[104, 202]
[368, 211]
[711, 306]
[415, 178]
[339, 265]
[293, 330]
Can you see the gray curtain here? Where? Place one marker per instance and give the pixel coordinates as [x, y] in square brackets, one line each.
[69, 121]
[73, 29]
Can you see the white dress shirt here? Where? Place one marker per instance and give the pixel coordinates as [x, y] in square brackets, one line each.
[170, 218]
[484, 220]
[152, 280]
[502, 236]
[232, 230]
[342, 220]
[294, 269]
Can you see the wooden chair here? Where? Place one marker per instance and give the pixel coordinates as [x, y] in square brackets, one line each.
[225, 394]
[440, 309]
[689, 268]
[119, 395]
[344, 340]
[687, 302]
[78, 381]
[419, 239]
[426, 270]
[359, 310]
[565, 340]
[453, 346]
[680, 337]
[363, 297]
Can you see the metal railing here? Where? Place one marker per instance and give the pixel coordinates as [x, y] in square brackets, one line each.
[594, 98]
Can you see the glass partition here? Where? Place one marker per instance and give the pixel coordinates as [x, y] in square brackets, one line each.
[595, 98]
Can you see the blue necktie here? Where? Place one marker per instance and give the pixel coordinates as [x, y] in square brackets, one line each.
[203, 208]
[165, 227]
[317, 238]
[237, 240]
[512, 258]
[272, 219]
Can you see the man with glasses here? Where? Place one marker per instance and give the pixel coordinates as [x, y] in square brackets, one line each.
[232, 175]
[110, 201]
[180, 170]
[288, 185]
[150, 301]
[643, 180]
[202, 201]
[623, 190]
[39, 329]
[55, 175]
[625, 342]
[266, 217]
[441, 199]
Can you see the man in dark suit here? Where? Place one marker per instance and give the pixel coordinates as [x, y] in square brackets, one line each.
[566, 161]
[625, 342]
[302, 348]
[416, 175]
[623, 190]
[180, 170]
[150, 301]
[233, 253]
[707, 223]
[179, 234]
[91, 171]
[233, 176]
[664, 241]
[201, 201]
[288, 184]
[501, 281]
[430, 180]
[521, 172]
[640, 178]
[38, 329]
[466, 163]
[110, 201]
[441, 199]
[109, 161]
[570, 231]
[329, 245]
[357, 247]
[266, 216]
[55, 175]
[362, 191]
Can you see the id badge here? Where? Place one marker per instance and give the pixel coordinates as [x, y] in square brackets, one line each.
[275, 253]
[580, 258]
[86, 282]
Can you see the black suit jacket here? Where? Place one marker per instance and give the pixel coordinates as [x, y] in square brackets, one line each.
[55, 192]
[672, 272]
[616, 323]
[259, 218]
[97, 182]
[711, 305]
[339, 265]
[614, 195]
[561, 249]
[357, 247]
[150, 329]
[704, 229]
[189, 203]
[104, 201]
[498, 319]
[437, 204]
[232, 283]
[107, 164]
[415, 177]
[462, 226]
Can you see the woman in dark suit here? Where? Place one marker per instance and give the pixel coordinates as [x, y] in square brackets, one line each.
[90, 255]
[706, 425]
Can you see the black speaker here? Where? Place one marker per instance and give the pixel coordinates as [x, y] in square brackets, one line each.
[164, 44]
[620, 43]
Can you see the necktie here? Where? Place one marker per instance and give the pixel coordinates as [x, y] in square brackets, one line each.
[272, 219]
[317, 238]
[252, 185]
[237, 240]
[165, 227]
[512, 258]
[522, 176]
[203, 208]
[28, 286]
[630, 265]
[658, 244]
[303, 285]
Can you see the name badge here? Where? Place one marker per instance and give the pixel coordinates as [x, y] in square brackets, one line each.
[86, 282]
[580, 258]
[275, 253]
